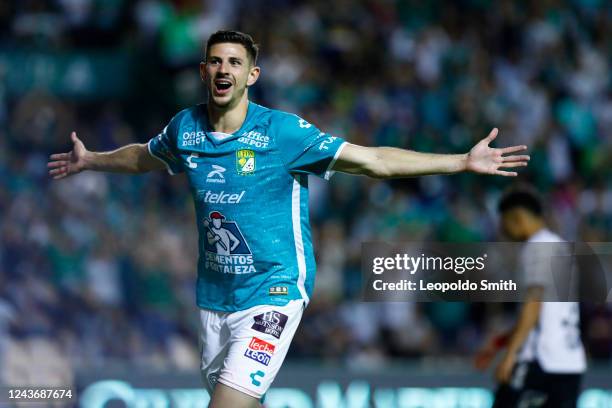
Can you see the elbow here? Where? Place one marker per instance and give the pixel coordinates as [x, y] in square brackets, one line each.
[138, 167]
[144, 161]
[377, 169]
[374, 173]
[379, 175]
[532, 312]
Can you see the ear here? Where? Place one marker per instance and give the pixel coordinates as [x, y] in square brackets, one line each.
[203, 71]
[253, 75]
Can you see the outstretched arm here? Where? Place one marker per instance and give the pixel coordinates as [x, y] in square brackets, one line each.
[390, 162]
[133, 158]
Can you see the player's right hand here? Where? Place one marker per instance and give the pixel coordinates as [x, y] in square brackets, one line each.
[61, 165]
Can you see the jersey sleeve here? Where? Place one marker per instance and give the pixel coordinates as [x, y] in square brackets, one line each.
[547, 265]
[304, 148]
[535, 265]
[163, 147]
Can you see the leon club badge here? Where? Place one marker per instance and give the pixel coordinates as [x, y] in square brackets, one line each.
[245, 162]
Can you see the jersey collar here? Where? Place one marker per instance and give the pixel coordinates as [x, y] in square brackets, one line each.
[218, 138]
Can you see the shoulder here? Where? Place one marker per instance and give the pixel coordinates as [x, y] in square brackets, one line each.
[192, 113]
[288, 117]
[264, 115]
[545, 235]
[275, 120]
[287, 122]
[186, 118]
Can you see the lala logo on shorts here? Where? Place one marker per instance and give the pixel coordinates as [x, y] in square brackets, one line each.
[270, 323]
[260, 351]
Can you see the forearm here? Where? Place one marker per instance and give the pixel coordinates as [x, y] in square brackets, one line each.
[392, 162]
[132, 158]
[527, 320]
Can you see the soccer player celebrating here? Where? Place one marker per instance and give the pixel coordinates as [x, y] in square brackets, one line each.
[544, 356]
[256, 268]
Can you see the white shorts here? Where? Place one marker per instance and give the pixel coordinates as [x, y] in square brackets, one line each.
[244, 350]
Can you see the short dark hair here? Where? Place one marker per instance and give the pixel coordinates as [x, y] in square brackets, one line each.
[522, 198]
[230, 36]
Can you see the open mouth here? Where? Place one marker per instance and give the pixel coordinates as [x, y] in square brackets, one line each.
[222, 86]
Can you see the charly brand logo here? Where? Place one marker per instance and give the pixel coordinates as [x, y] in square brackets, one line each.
[303, 124]
[254, 378]
[190, 162]
[245, 162]
[216, 174]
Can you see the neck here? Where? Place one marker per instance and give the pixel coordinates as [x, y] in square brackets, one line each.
[534, 227]
[228, 119]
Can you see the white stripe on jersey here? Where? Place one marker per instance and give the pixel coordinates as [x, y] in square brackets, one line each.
[329, 172]
[297, 236]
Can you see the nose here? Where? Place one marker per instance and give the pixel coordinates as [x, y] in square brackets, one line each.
[223, 67]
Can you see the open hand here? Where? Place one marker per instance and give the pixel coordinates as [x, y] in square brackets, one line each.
[488, 160]
[66, 164]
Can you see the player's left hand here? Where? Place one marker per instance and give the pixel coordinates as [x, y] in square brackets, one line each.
[488, 160]
[484, 356]
[504, 369]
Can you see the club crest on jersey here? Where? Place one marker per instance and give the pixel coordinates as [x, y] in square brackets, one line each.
[225, 248]
[245, 162]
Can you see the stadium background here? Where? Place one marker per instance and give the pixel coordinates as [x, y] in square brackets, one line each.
[97, 271]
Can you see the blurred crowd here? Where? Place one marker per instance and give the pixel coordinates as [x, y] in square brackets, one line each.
[100, 268]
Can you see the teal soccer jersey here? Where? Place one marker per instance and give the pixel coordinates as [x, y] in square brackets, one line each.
[250, 191]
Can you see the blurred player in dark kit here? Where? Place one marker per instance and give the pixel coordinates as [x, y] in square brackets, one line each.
[544, 357]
